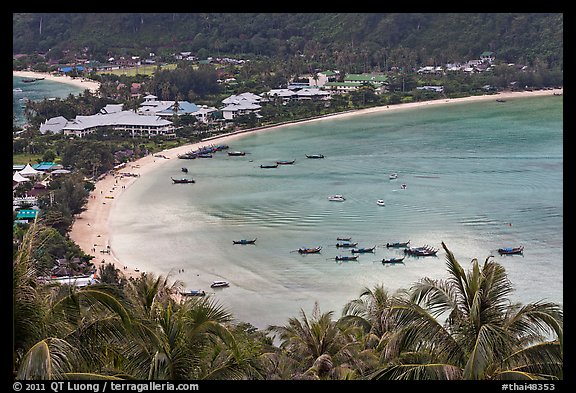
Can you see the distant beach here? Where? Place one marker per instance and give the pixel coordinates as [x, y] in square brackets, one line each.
[91, 231]
[82, 83]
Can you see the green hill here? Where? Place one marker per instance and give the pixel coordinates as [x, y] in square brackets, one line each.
[368, 38]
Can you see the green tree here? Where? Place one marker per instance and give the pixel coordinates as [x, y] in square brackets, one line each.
[465, 327]
[49, 155]
[61, 331]
[321, 348]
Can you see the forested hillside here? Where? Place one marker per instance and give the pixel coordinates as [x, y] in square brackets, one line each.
[376, 39]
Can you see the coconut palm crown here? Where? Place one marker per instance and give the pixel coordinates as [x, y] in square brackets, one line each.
[466, 327]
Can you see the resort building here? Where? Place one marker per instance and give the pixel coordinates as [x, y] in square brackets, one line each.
[111, 116]
[353, 82]
[152, 106]
[230, 112]
[128, 121]
[241, 104]
[53, 125]
[286, 95]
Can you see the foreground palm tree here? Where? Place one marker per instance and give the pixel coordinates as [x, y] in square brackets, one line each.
[465, 327]
[60, 330]
[320, 347]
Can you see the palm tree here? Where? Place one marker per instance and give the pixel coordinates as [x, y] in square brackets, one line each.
[187, 340]
[322, 348]
[61, 330]
[465, 327]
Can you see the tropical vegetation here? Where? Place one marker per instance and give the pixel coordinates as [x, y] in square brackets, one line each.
[464, 327]
[352, 42]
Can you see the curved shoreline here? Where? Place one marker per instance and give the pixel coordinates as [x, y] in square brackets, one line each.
[90, 229]
[82, 83]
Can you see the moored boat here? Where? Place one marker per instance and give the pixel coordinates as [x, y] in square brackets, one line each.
[346, 257]
[314, 155]
[398, 244]
[219, 284]
[269, 166]
[187, 156]
[380, 202]
[183, 180]
[393, 176]
[346, 244]
[423, 251]
[312, 250]
[511, 250]
[193, 292]
[236, 153]
[392, 260]
[185, 170]
[344, 239]
[244, 241]
[363, 250]
[336, 198]
[285, 162]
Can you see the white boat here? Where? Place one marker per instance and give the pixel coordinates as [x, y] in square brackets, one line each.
[393, 176]
[336, 198]
[17, 90]
[381, 202]
[219, 284]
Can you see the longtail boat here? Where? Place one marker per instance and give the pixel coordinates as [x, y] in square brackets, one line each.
[392, 260]
[398, 244]
[183, 180]
[363, 250]
[511, 250]
[244, 241]
[346, 257]
[313, 250]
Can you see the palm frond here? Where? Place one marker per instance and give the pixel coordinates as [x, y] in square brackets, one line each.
[47, 359]
[430, 371]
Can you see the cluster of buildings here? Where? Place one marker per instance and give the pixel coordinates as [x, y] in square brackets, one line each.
[484, 63]
[153, 116]
[36, 179]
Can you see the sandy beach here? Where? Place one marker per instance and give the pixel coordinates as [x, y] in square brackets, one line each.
[82, 83]
[90, 229]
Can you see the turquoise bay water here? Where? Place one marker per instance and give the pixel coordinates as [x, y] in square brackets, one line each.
[471, 170]
[37, 91]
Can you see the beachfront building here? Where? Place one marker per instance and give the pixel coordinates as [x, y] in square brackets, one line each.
[353, 82]
[241, 104]
[230, 112]
[244, 98]
[312, 94]
[282, 95]
[53, 125]
[111, 116]
[128, 121]
[165, 109]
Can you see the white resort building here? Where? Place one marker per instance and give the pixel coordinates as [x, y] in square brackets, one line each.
[113, 117]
